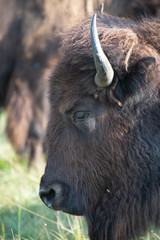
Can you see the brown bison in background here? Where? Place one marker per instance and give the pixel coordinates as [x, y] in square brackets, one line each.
[103, 141]
[28, 50]
[133, 8]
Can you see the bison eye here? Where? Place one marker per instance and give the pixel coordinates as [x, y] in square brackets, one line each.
[80, 116]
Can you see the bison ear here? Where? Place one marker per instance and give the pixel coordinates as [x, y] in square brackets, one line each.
[138, 76]
[146, 64]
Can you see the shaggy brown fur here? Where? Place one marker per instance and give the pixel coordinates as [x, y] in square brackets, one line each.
[108, 164]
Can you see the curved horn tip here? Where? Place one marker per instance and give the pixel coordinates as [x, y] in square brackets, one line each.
[93, 22]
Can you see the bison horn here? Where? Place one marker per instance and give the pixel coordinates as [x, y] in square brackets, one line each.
[101, 8]
[105, 73]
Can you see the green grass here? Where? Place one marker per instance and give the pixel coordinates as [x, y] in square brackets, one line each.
[22, 214]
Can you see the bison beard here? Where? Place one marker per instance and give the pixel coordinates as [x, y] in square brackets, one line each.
[104, 158]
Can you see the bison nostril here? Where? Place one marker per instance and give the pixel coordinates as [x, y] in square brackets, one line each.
[52, 195]
[47, 197]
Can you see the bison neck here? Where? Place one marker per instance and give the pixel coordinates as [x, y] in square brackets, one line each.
[126, 214]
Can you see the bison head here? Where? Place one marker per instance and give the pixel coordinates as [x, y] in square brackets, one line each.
[103, 133]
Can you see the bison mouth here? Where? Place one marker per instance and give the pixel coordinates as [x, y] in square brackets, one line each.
[60, 198]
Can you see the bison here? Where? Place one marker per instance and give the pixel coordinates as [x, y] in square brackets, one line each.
[103, 140]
